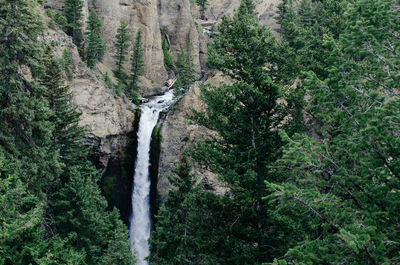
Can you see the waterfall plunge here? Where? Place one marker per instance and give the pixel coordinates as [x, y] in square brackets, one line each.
[140, 223]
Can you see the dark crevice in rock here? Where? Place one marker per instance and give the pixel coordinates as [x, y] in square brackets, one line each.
[117, 167]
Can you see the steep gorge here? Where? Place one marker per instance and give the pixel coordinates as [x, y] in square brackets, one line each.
[111, 121]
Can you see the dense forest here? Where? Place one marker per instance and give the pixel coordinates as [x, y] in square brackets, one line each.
[51, 209]
[306, 138]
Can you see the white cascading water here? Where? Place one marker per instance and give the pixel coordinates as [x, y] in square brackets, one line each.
[140, 222]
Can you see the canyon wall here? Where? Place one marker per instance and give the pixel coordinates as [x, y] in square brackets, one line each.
[109, 119]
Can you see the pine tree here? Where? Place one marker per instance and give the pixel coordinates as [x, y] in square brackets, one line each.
[137, 65]
[79, 209]
[185, 72]
[191, 225]
[121, 46]
[203, 5]
[96, 47]
[73, 14]
[23, 239]
[67, 63]
[168, 62]
[25, 131]
[67, 135]
[250, 5]
[244, 115]
[74, 198]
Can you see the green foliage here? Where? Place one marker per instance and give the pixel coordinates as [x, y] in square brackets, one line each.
[203, 6]
[109, 83]
[121, 45]
[108, 185]
[250, 5]
[168, 62]
[57, 18]
[75, 202]
[25, 129]
[49, 13]
[185, 71]
[22, 234]
[96, 47]
[243, 114]
[73, 15]
[61, 20]
[340, 189]
[67, 63]
[192, 226]
[50, 179]
[137, 67]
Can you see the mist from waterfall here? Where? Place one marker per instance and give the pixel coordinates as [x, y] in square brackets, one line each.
[140, 221]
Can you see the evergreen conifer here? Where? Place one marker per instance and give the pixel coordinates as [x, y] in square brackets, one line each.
[203, 5]
[137, 66]
[73, 15]
[244, 114]
[121, 46]
[168, 62]
[185, 72]
[96, 47]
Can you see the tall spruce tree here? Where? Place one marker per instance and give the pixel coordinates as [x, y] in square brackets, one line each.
[168, 62]
[250, 5]
[23, 239]
[203, 6]
[137, 66]
[244, 114]
[185, 71]
[96, 46]
[50, 172]
[121, 46]
[67, 135]
[74, 199]
[73, 14]
[192, 225]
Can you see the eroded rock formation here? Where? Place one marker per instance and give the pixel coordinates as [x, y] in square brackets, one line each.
[109, 120]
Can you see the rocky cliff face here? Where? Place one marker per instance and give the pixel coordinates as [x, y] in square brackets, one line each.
[110, 120]
[105, 117]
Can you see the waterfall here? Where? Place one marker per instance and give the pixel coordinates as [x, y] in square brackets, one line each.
[140, 221]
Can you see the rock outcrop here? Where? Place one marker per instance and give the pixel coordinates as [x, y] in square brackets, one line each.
[105, 117]
[178, 22]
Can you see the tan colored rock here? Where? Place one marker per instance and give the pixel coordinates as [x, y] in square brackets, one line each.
[266, 11]
[176, 17]
[108, 119]
[139, 15]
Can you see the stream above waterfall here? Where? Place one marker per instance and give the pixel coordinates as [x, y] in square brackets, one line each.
[140, 221]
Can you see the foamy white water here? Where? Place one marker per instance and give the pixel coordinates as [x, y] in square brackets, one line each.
[140, 222]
